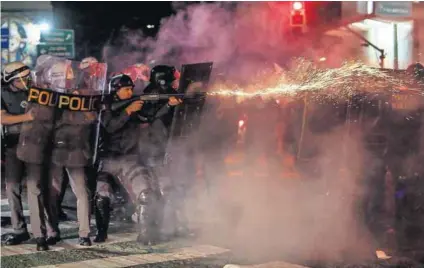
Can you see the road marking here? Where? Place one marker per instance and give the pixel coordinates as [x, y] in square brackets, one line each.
[138, 259]
[24, 249]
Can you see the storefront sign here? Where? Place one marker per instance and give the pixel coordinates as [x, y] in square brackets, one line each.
[66, 51]
[393, 9]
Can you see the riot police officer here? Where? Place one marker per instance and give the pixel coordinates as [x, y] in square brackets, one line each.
[71, 153]
[86, 63]
[16, 77]
[132, 145]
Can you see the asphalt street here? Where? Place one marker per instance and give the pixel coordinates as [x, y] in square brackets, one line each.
[121, 250]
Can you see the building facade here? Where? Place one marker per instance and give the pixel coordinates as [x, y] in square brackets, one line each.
[391, 29]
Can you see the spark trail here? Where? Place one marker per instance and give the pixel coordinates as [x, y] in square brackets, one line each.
[306, 77]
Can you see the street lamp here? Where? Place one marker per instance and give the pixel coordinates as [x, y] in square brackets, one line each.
[44, 26]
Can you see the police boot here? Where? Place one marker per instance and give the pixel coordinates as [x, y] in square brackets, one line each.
[151, 223]
[102, 218]
[41, 244]
[145, 217]
[16, 239]
[143, 222]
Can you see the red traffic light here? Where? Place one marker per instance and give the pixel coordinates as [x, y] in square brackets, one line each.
[297, 5]
[297, 19]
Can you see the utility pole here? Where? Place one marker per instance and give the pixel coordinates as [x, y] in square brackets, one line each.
[395, 47]
[382, 56]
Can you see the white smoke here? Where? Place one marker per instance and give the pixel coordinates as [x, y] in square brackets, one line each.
[257, 218]
[234, 37]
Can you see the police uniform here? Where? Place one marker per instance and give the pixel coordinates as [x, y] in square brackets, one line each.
[14, 102]
[32, 149]
[130, 158]
[71, 153]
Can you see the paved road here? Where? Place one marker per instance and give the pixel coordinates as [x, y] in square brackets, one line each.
[120, 250]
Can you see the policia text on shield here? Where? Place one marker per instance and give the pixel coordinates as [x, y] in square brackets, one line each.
[82, 103]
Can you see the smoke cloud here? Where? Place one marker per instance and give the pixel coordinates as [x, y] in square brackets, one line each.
[239, 38]
[257, 216]
[264, 212]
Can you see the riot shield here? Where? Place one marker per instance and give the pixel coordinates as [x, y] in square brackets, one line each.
[187, 115]
[66, 96]
[91, 80]
[35, 138]
[182, 147]
[186, 120]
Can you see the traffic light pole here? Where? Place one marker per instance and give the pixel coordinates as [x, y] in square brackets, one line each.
[382, 56]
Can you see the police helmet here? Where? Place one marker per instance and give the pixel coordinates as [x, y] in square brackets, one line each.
[162, 75]
[15, 70]
[119, 81]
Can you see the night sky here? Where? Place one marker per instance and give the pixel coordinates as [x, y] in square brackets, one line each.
[95, 22]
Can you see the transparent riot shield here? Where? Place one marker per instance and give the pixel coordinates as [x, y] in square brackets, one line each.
[35, 139]
[65, 76]
[89, 80]
[64, 99]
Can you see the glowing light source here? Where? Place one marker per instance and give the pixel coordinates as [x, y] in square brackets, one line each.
[322, 59]
[150, 26]
[43, 26]
[382, 255]
[297, 5]
[241, 123]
